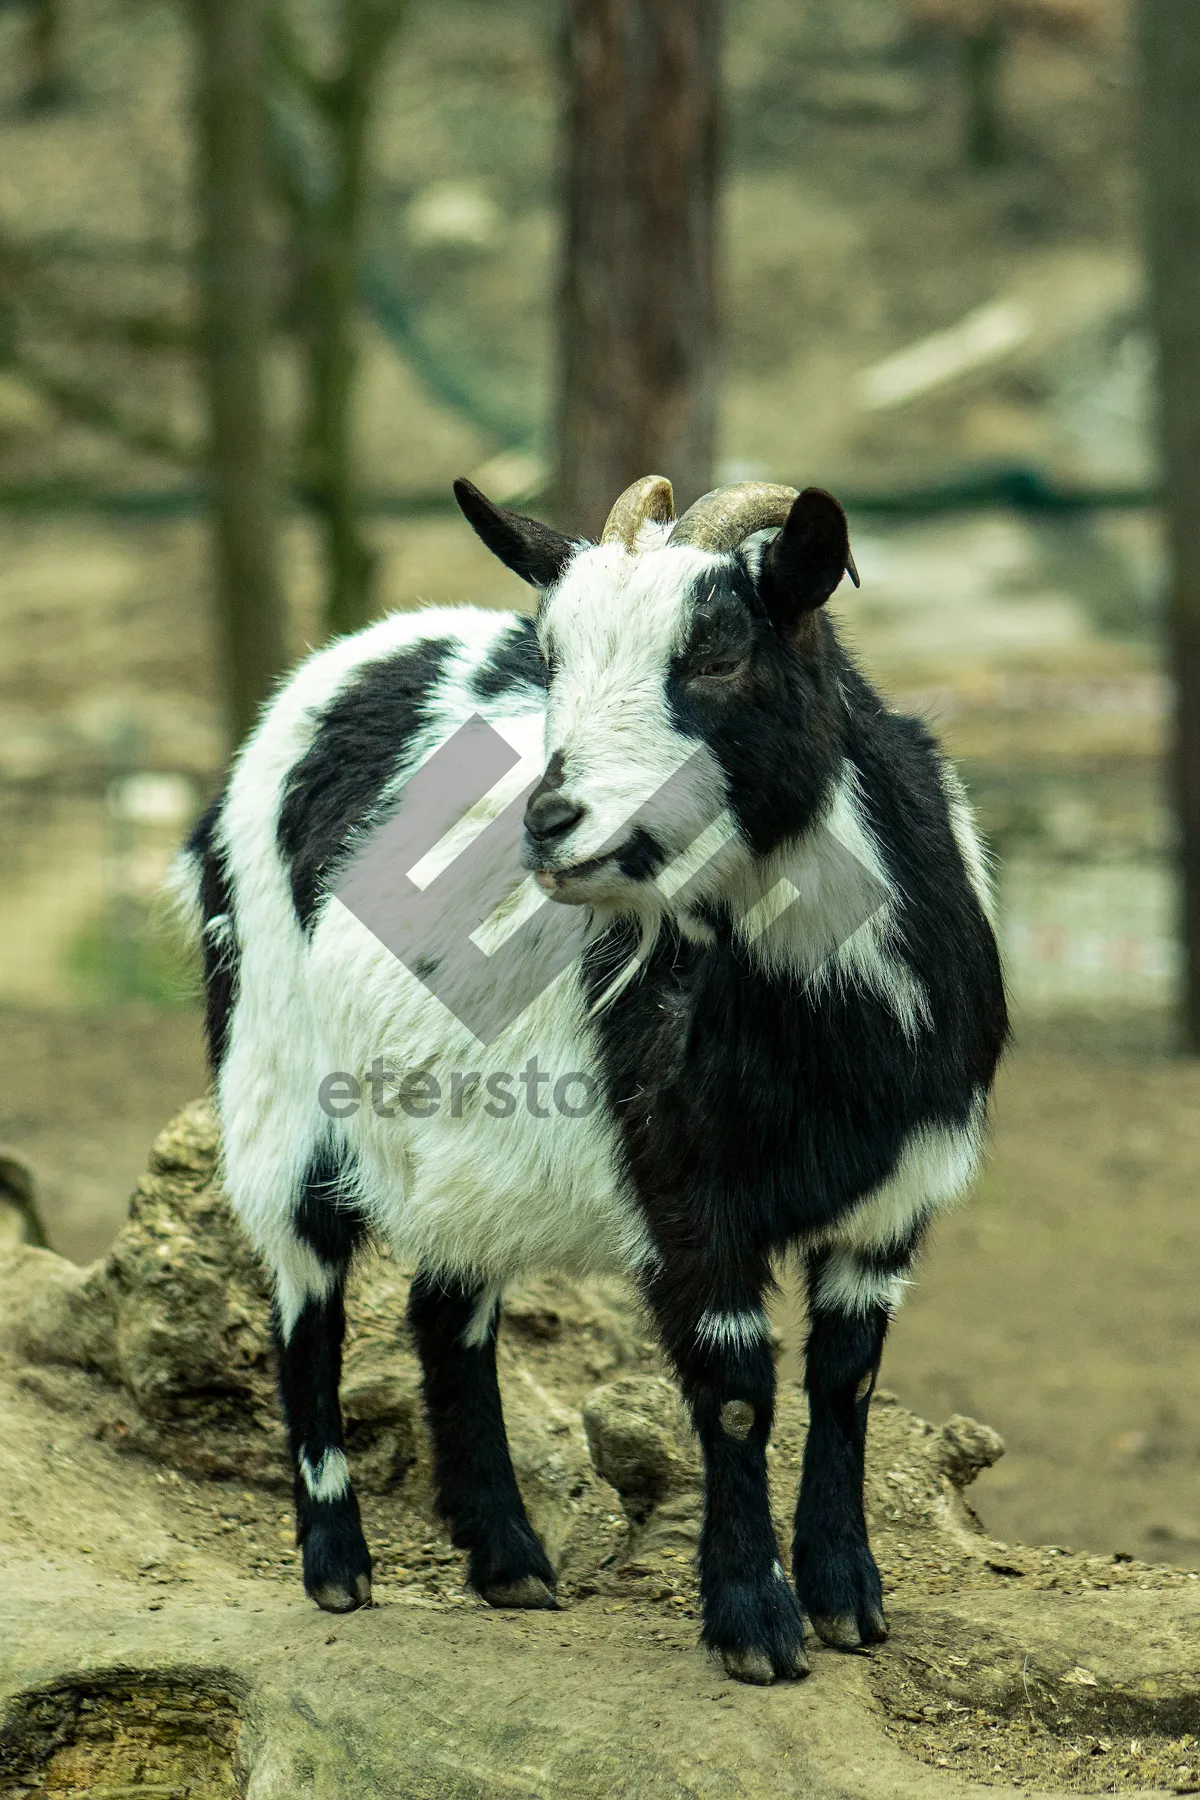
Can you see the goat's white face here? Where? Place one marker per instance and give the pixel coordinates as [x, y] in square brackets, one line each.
[610, 631]
[690, 696]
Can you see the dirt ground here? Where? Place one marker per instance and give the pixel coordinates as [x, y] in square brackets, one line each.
[154, 1639]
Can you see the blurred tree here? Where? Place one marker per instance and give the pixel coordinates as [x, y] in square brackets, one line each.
[982, 30]
[637, 301]
[321, 118]
[1170, 43]
[46, 85]
[983, 135]
[237, 284]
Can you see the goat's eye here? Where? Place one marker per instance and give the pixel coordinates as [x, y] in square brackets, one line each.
[716, 667]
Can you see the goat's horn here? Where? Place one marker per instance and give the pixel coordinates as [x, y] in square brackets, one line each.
[649, 498]
[727, 516]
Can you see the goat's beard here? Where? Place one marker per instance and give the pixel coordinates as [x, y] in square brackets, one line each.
[644, 905]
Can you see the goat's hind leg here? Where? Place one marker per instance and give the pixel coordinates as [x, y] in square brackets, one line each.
[454, 1327]
[310, 1324]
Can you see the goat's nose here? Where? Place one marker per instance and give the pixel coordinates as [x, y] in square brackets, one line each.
[551, 815]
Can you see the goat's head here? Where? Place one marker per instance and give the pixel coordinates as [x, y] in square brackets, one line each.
[690, 677]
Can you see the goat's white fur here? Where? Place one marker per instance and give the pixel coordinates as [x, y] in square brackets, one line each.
[847, 1285]
[330, 1479]
[739, 1329]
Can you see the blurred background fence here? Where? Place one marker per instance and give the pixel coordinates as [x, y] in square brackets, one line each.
[477, 239]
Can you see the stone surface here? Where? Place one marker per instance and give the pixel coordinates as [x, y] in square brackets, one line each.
[154, 1636]
[639, 1440]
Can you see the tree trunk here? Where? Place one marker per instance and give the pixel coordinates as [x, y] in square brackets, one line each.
[46, 87]
[326, 196]
[331, 479]
[637, 305]
[332, 231]
[983, 54]
[1170, 38]
[250, 607]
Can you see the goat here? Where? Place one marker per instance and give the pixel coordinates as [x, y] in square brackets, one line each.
[781, 1012]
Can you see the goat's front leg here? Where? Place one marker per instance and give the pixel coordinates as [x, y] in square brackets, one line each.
[849, 1300]
[725, 1366]
[455, 1328]
[337, 1564]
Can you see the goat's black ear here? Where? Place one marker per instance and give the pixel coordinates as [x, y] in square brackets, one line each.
[804, 564]
[530, 549]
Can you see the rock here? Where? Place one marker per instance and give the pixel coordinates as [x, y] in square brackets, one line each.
[381, 1405]
[176, 1316]
[965, 1448]
[148, 1644]
[380, 1386]
[597, 1319]
[533, 1313]
[639, 1439]
[176, 1319]
[192, 1312]
[12, 1226]
[50, 1312]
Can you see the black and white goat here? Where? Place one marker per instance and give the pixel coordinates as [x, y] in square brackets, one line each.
[788, 1002]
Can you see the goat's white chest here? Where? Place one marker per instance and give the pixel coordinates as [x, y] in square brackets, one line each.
[511, 1161]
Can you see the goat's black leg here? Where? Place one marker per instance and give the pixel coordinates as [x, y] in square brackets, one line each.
[727, 1372]
[832, 1564]
[455, 1331]
[337, 1563]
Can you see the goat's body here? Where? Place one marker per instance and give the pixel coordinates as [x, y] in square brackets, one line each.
[838, 1109]
[792, 1053]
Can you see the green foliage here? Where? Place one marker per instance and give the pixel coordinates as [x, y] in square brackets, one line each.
[130, 952]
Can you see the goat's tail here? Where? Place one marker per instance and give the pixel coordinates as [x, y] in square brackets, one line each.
[181, 893]
[183, 884]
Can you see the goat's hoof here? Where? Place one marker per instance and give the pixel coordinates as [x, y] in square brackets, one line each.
[755, 1666]
[839, 1590]
[509, 1567]
[530, 1593]
[337, 1563]
[758, 1629]
[848, 1631]
[331, 1596]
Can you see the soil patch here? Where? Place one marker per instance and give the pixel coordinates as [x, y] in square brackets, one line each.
[1074, 1712]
